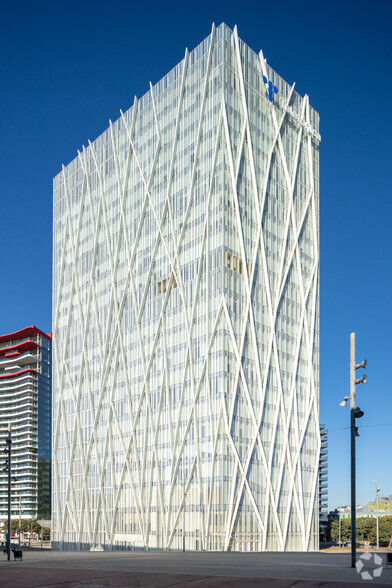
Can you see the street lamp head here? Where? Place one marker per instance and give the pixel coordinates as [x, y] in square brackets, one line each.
[356, 432]
[344, 401]
[358, 413]
[362, 380]
[363, 365]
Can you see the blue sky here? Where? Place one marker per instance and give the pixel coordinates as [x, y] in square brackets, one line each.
[67, 68]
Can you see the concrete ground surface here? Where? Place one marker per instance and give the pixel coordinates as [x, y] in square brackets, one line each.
[45, 568]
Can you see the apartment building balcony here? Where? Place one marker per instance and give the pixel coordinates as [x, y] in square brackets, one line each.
[17, 360]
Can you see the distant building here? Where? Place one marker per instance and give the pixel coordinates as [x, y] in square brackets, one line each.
[25, 403]
[333, 515]
[384, 504]
[362, 511]
[323, 481]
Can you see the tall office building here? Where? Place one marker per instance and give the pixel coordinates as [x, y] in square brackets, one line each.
[25, 404]
[185, 316]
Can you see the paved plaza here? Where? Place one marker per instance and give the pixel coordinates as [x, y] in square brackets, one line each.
[98, 569]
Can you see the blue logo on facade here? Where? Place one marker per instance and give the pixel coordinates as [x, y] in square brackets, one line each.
[271, 89]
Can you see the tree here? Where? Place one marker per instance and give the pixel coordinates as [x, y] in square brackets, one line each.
[366, 529]
[385, 526]
[345, 530]
[26, 525]
[45, 532]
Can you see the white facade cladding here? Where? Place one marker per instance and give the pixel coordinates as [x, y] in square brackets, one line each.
[185, 316]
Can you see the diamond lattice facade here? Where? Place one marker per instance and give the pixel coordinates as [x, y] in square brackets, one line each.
[185, 316]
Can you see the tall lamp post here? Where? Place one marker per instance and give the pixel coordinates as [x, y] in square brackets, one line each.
[378, 487]
[7, 469]
[20, 516]
[355, 413]
[340, 530]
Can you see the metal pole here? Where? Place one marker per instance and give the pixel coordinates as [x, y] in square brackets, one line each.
[9, 441]
[183, 513]
[20, 523]
[377, 491]
[340, 530]
[352, 430]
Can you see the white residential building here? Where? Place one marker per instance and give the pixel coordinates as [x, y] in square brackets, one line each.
[185, 316]
[25, 406]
